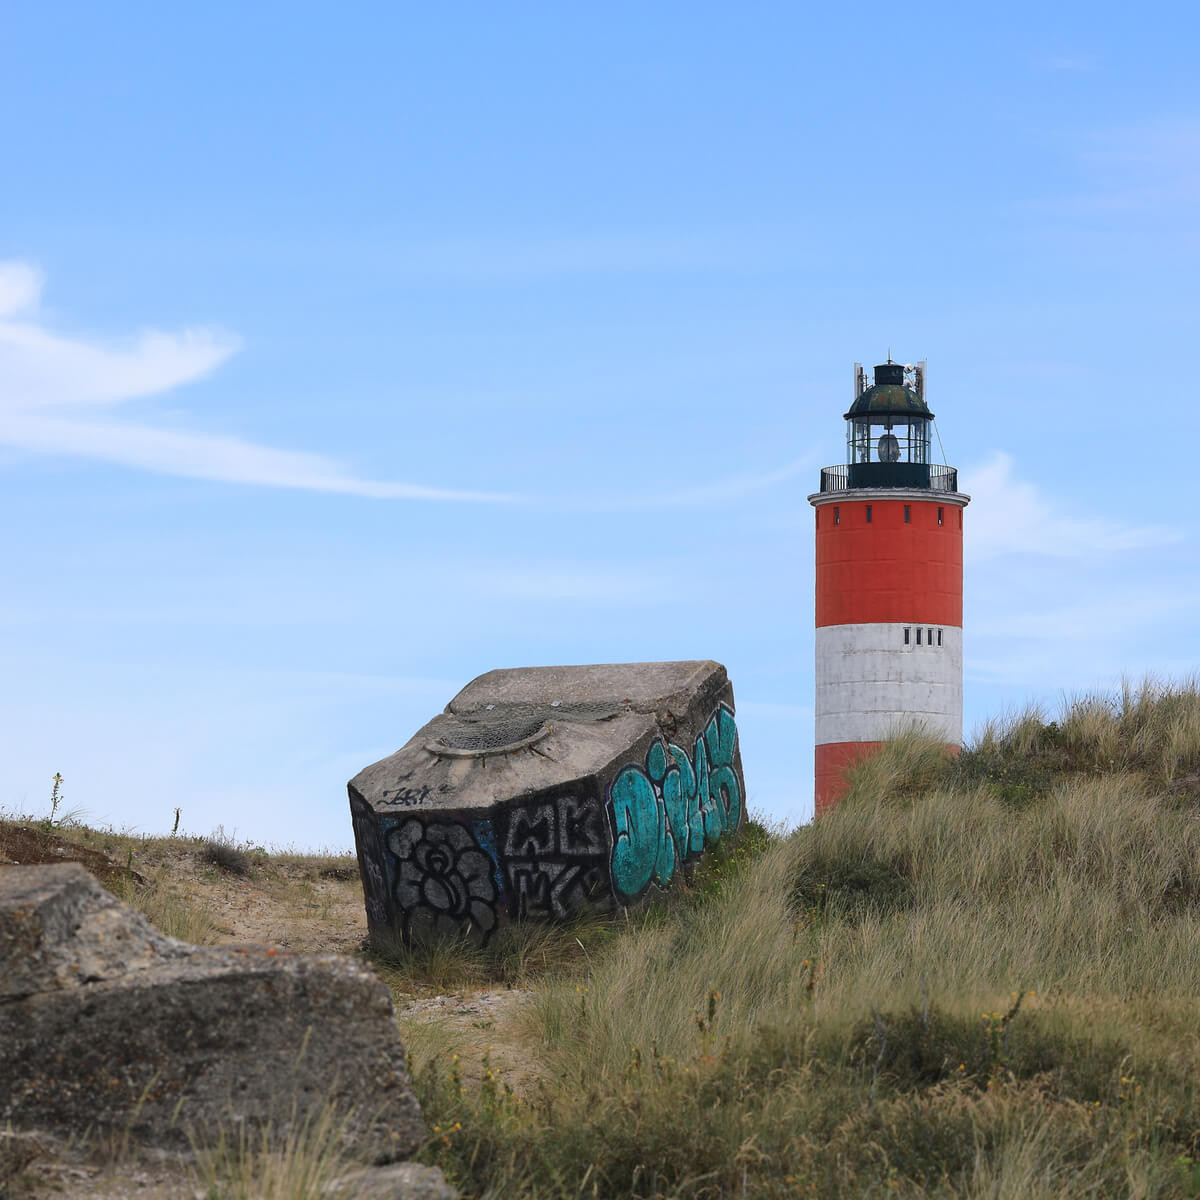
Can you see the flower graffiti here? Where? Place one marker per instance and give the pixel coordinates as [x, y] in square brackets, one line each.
[666, 812]
[443, 878]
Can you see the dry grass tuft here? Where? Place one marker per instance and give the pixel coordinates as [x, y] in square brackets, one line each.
[302, 1163]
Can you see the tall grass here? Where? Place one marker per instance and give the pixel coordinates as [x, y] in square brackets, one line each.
[976, 977]
[1151, 728]
[167, 910]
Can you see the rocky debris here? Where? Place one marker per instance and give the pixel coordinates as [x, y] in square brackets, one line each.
[544, 792]
[108, 1026]
[397, 1181]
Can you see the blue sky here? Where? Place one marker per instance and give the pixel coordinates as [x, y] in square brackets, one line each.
[347, 352]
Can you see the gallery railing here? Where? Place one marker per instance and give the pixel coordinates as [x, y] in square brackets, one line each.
[889, 475]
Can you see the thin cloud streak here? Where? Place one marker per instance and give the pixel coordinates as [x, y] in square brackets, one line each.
[731, 488]
[1145, 169]
[212, 457]
[1011, 516]
[49, 380]
[20, 287]
[1067, 62]
[1106, 611]
[46, 378]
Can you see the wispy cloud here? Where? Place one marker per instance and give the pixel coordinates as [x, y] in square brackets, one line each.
[1010, 515]
[1144, 167]
[1067, 62]
[58, 393]
[1054, 595]
[1096, 614]
[731, 487]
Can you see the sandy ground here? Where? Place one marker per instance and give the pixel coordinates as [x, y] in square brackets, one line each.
[485, 1025]
[286, 905]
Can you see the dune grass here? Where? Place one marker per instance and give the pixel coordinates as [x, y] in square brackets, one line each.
[977, 977]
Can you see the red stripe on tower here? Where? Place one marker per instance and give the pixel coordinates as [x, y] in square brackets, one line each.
[888, 581]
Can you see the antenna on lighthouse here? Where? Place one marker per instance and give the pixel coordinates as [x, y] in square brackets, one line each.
[860, 380]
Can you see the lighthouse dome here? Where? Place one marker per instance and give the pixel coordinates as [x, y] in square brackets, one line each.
[888, 397]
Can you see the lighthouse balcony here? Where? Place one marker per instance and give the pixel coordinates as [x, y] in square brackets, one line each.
[889, 475]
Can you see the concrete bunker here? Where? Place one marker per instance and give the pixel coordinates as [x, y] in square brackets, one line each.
[543, 792]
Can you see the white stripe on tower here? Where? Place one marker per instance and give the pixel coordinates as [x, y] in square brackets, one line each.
[871, 674]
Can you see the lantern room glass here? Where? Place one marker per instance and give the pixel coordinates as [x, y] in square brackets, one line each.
[863, 441]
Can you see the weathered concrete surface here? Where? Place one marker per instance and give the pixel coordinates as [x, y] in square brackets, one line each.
[546, 791]
[106, 1024]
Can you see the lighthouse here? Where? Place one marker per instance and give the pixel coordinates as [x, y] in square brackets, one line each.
[888, 581]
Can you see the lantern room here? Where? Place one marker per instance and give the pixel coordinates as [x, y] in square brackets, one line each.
[888, 428]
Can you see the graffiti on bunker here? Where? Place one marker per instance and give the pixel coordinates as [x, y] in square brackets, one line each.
[554, 856]
[370, 860]
[542, 859]
[443, 877]
[666, 811]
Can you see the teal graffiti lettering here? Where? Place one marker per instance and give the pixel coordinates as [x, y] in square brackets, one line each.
[721, 739]
[634, 809]
[670, 809]
[667, 855]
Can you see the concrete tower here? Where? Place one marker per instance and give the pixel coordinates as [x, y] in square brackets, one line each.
[889, 581]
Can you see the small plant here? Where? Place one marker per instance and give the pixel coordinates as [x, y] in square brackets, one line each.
[56, 797]
[1188, 1170]
[53, 820]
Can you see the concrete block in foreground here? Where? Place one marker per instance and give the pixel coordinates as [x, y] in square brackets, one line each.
[107, 1025]
[542, 792]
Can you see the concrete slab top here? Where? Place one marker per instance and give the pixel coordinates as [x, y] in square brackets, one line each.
[640, 686]
[567, 751]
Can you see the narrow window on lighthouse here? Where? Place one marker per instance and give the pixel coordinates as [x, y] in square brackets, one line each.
[868, 514]
[906, 633]
[930, 632]
[906, 515]
[918, 637]
[837, 515]
[940, 511]
[939, 637]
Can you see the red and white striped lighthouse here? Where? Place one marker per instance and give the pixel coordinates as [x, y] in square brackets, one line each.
[889, 581]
